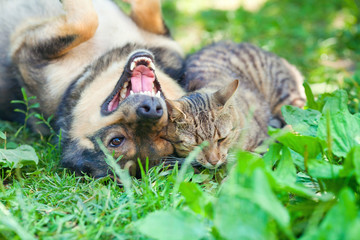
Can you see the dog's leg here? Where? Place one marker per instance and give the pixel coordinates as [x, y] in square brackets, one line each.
[147, 15]
[46, 39]
[41, 41]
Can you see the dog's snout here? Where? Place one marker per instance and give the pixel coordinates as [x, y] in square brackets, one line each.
[150, 109]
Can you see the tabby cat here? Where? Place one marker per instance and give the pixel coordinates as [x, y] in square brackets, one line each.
[225, 112]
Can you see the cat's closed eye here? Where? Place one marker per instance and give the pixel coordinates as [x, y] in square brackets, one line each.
[221, 140]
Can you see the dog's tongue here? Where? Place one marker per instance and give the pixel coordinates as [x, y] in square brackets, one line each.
[142, 79]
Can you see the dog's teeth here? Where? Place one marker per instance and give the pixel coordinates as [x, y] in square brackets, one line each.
[141, 58]
[136, 61]
[158, 94]
[153, 93]
[145, 58]
[132, 66]
[152, 66]
[123, 93]
[131, 92]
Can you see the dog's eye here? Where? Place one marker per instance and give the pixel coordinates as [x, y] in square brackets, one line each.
[117, 141]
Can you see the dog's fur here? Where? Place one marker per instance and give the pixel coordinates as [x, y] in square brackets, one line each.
[74, 57]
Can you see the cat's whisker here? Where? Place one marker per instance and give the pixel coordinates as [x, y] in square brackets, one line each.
[172, 160]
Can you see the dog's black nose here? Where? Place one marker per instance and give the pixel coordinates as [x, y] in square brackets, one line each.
[150, 109]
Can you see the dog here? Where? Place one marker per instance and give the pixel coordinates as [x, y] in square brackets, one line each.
[101, 73]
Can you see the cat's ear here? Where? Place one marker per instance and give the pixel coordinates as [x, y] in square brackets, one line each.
[224, 94]
[175, 110]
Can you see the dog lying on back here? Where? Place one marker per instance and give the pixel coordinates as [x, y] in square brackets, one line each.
[102, 74]
[225, 112]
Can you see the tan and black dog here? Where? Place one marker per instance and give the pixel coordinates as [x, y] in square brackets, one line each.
[101, 73]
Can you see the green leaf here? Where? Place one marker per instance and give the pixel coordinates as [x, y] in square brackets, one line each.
[24, 154]
[302, 121]
[310, 97]
[291, 187]
[20, 111]
[312, 146]
[338, 221]
[7, 220]
[247, 205]
[298, 160]
[248, 162]
[323, 169]
[265, 198]
[200, 178]
[19, 130]
[236, 218]
[35, 105]
[344, 127]
[272, 155]
[355, 156]
[195, 198]
[2, 135]
[336, 102]
[285, 170]
[24, 94]
[38, 116]
[352, 164]
[18, 101]
[236, 215]
[354, 231]
[172, 224]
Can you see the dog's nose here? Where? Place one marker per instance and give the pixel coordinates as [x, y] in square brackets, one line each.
[150, 109]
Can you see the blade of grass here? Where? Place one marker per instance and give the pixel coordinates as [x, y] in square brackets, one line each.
[124, 176]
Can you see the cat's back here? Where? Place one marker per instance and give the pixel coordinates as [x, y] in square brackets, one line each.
[263, 73]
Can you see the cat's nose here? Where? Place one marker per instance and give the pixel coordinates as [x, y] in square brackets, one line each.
[213, 162]
[150, 109]
[213, 158]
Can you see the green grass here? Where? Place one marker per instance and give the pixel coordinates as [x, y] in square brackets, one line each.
[306, 186]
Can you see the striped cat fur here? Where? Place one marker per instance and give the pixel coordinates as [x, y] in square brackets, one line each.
[228, 113]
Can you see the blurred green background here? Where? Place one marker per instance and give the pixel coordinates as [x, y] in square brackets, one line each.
[322, 38]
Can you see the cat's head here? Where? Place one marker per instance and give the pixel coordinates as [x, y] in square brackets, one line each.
[200, 117]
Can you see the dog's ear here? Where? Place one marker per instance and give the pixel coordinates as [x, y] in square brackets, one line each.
[84, 161]
[175, 110]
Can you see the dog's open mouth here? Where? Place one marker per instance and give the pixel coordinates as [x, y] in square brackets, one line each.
[138, 78]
